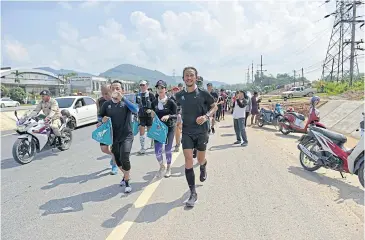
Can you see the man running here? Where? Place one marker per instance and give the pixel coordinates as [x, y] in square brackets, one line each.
[215, 96]
[144, 100]
[197, 107]
[119, 110]
[106, 96]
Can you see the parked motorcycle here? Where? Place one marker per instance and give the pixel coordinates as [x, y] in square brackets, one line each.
[269, 117]
[324, 148]
[35, 135]
[295, 122]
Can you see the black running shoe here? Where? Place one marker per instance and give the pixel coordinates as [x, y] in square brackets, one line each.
[213, 130]
[203, 172]
[194, 153]
[192, 199]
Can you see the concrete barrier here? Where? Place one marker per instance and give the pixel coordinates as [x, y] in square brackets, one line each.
[342, 116]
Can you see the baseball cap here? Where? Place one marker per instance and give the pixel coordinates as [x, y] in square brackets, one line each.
[180, 85]
[209, 84]
[161, 83]
[143, 82]
[45, 92]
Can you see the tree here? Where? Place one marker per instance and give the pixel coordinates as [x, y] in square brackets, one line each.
[17, 94]
[4, 91]
[17, 76]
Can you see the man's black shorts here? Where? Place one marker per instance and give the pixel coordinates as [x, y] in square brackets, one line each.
[145, 121]
[197, 141]
[121, 151]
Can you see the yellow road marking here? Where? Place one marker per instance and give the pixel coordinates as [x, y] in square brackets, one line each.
[120, 231]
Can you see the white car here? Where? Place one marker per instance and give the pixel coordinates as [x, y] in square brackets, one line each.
[7, 102]
[82, 109]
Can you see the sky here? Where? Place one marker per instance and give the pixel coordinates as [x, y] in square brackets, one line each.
[219, 38]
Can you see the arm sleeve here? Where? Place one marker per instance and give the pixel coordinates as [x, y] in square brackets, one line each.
[173, 110]
[54, 108]
[102, 112]
[132, 107]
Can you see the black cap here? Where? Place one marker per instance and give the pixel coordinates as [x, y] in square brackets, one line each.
[209, 84]
[161, 83]
[180, 85]
[45, 92]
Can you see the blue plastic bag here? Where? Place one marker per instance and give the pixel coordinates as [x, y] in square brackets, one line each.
[135, 127]
[104, 134]
[158, 131]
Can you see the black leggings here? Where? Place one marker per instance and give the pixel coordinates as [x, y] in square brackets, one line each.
[121, 151]
[247, 114]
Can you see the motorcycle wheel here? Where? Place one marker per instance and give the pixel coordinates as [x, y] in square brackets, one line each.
[72, 124]
[260, 122]
[360, 174]
[20, 143]
[67, 139]
[284, 131]
[302, 157]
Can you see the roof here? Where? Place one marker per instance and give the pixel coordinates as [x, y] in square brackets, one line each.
[28, 70]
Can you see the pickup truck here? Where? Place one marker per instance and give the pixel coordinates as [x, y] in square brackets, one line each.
[298, 92]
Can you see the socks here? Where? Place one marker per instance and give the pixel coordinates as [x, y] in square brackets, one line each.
[190, 178]
[142, 140]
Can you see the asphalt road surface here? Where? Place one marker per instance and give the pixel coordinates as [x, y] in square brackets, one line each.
[256, 192]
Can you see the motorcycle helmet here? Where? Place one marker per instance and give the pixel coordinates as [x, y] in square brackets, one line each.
[315, 100]
[65, 113]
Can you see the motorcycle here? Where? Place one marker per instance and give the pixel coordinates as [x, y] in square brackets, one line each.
[270, 117]
[35, 135]
[295, 122]
[324, 148]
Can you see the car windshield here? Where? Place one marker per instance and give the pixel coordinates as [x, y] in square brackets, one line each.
[65, 102]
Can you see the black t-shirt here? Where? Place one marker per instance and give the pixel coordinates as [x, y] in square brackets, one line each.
[214, 95]
[121, 119]
[169, 108]
[144, 102]
[194, 105]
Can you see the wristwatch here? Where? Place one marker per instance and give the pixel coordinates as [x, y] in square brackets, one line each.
[207, 116]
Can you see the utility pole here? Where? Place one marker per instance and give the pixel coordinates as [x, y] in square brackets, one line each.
[261, 71]
[294, 77]
[253, 78]
[352, 58]
[248, 74]
[303, 77]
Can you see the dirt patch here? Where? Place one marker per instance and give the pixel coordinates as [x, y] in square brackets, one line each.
[300, 107]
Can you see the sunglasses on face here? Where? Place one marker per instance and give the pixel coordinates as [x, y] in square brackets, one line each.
[142, 85]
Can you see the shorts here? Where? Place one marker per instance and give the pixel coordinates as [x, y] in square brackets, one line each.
[145, 121]
[196, 141]
[121, 151]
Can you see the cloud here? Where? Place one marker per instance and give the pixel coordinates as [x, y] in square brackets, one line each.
[89, 4]
[65, 5]
[220, 38]
[16, 51]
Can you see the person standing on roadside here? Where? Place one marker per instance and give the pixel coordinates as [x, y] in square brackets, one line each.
[239, 112]
[144, 100]
[255, 108]
[248, 107]
[197, 107]
[106, 96]
[215, 96]
[166, 110]
[178, 120]
[119, 110]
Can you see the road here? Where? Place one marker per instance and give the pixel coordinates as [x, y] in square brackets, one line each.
[256, 192]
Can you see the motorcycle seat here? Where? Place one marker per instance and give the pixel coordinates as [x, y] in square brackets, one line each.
[266, 110]
[337, 137]
[298, 115]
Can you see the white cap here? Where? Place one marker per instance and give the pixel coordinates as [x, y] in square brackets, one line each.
[143, 82]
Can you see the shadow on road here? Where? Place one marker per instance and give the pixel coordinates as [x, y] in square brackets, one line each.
[147, 153]
[345, 190]
[228, 126]
[223, 147]
[150, 213]
[288, 136]
[76, 179]
[11, 163]
[268, 129]
[228, 135]
[75, 203]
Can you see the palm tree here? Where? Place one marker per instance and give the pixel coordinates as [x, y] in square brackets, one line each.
[17, 76]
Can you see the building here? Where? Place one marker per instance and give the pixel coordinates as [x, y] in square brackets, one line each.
[92, 85]
[34, 81]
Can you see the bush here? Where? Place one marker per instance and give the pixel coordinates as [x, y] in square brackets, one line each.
[4, 91]
[17, 94]
[334, 88]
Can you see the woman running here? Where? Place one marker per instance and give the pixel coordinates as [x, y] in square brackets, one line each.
[166, 110]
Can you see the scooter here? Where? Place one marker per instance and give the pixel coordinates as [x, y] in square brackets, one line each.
[35, 135]
[268, 117]
[295, 122]
[324, 148]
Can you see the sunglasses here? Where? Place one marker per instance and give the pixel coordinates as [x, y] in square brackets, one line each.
[142, 85]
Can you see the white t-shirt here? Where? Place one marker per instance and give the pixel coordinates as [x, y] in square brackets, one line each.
[239, 112]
